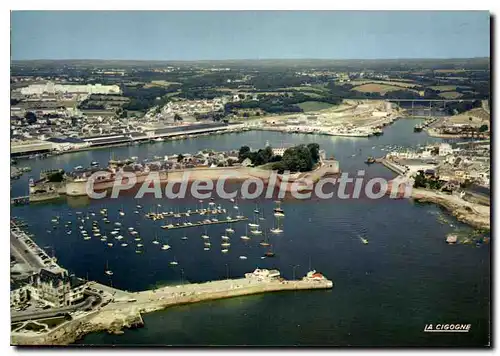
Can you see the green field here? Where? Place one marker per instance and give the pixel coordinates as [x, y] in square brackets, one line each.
[314, 106]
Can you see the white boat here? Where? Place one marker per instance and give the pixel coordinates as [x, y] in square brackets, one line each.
[165, 247]
[243, 257]
[137, 238]
[252, 225]
[230, 230]
[119, 237]
[225, 250]
[276, 231]
[208, 244]
[256, 232]
[174, 263]
[124, 244]
[205, 236]
[103, 238]
[77, 168]
[114, 232]
[130, 229]
[110, 244]
[156, 242]
[206, 249]
[107, 270]
[97, 234]
[140, 245]
[184, 238]
[225, 244]
[224, 237]
[118, 224]
[121, 213]
[245, 237]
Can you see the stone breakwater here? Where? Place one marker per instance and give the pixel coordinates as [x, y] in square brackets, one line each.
[126, 311]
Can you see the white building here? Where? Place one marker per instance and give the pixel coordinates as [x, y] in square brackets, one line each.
[445, 149]
[51, 88]
[280, 151]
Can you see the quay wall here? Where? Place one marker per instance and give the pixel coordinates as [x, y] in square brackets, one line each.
[116, 316]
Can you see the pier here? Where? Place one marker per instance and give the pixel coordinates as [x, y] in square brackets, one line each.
[127, 307]
[185, 214]
[24, 200]
[203, 223]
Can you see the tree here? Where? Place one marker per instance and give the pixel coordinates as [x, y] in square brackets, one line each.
[30, 117]
[180, 157]
[314, 149]
[177, 117]
[243, 153]
[483, 128]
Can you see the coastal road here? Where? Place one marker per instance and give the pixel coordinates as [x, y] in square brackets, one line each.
[18, 249]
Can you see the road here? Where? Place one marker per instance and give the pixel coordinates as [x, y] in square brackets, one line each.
[18, 249]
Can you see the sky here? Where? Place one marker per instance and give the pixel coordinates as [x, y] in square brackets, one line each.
[203, 35]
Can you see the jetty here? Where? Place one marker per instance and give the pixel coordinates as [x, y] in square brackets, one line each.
[126, 308]
[203, 223]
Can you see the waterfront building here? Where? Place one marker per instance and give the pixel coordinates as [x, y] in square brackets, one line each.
[52, 286]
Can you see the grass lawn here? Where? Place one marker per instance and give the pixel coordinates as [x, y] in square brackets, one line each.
[450, 95]
[308, 106]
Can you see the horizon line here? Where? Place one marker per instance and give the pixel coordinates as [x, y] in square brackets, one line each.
[251, 59]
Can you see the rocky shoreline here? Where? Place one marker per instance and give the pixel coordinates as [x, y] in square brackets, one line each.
[475, 215]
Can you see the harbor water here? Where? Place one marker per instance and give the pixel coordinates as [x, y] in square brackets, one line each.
[385, 292]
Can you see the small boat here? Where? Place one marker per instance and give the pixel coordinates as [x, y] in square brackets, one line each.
[137, 238]
[107, 270]
[138, 206]
[224, 237]
[265, 242]
[110, 244]
[130, 229]
[256, 232]
[118, 224]
[119, 237]
[364, 241]
[103, 238]
[184, 238]
[155, 241]
[165, 247]
[208, 244]
[253, 225]
[205, 237]
[124, 244]
[451, 238]
[94, 164]
[138, 251]
[140, 245]
[86, 237]
[206, 249]
[174, 263]
[278, 212]
[269, 254]
[230, 230]
[77, 168]
[225, 250]
[243, 257]
[69, 233]
[225, 244]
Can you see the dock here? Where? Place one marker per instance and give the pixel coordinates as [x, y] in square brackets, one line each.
[185, 214]
[24, 200]
[127, 308]
[203, 223]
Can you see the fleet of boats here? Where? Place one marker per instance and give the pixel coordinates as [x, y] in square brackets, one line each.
[91, 226]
